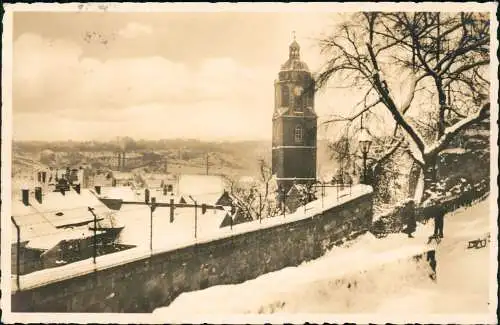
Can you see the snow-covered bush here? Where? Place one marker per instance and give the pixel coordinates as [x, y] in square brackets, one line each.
[393, 219]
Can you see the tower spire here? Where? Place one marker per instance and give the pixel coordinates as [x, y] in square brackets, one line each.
[294, 48]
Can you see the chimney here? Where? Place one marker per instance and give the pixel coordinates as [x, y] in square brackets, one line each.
[98, 190]
[146, 195]
[26, 196]
[77, 188]
[38, 194]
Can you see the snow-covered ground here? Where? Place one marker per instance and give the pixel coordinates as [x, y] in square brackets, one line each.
[375, 276]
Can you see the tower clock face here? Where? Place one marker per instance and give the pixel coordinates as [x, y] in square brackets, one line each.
[298, 90]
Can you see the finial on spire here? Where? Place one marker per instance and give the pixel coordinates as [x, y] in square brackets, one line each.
[293, 33]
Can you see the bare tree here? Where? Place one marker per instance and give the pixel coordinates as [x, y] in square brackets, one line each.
[446, 59]
[255, 196]
[340, 150]
[266, 176]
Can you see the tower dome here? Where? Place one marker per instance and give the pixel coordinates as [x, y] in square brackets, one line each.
[293, 62]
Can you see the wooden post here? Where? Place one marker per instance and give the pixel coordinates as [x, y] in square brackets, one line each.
[172, 205]
[195, 215]
[284, 202]
[260, 208]
[195, 219]
[95, 233]
[152, 208]
[151, 230]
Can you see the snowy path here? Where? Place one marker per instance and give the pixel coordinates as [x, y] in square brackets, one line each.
[324, 285]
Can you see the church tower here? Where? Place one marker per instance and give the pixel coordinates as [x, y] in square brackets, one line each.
[294, 123]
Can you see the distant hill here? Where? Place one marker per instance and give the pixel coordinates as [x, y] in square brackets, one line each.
[177, 155]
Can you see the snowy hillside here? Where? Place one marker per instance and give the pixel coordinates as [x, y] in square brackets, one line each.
[375, 276]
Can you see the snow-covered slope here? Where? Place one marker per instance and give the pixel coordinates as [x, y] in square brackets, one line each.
[376, 276]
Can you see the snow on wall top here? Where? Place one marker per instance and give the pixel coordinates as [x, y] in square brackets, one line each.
[180, 238]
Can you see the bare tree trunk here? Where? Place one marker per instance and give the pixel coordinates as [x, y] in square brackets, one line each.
[430, 174]
[442, 106]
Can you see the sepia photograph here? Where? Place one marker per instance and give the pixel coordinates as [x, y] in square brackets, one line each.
[249, 163]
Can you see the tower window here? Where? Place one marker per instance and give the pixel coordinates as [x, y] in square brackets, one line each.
[285, 96]
[298, 103]
[299, 133]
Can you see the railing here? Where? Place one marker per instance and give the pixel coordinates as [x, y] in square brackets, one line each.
[94, 246]
[310, 194]
[340, 186]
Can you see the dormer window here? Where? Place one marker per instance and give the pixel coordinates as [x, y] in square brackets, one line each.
[299, 134]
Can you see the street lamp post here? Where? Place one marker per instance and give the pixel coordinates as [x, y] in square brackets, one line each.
[365, 141]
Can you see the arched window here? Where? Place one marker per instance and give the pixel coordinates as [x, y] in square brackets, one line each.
[307, 100]
[285, 96]
[299, 133]
[299, 103]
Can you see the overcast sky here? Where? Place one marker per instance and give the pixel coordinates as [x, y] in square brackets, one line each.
[210, 76]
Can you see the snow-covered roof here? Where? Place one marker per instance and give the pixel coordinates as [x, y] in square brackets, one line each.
[42, 222]
[49, 241]
[101, 180]
[157, 180]
[210, 198]
[129, 194]
[123, 175]
[151, 176]
[136, 219]
[200, 184]
[125, 193]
